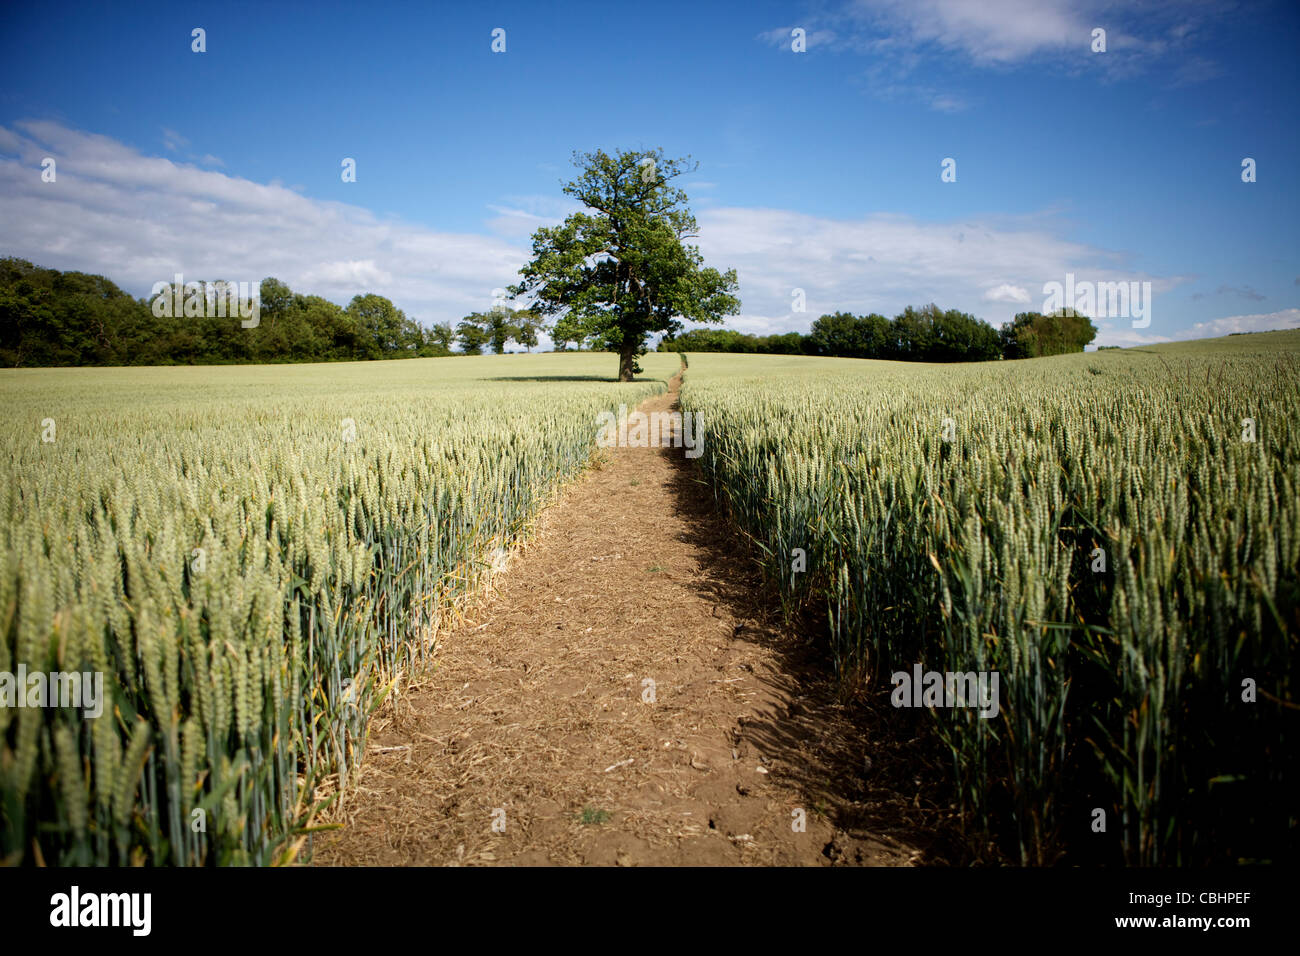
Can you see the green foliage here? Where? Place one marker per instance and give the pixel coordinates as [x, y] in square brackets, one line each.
[441, 337]
[1032, 334]
[50, 318]
[916, 335]
[844, 334]
[592, 816]
[472, 334]
[620, 271]
[527, 325]
[568, 329]
[384, 329]
[497, 327]
[728, 340]
[67, 318]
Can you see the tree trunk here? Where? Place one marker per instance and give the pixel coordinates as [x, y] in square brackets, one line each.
[626, 363]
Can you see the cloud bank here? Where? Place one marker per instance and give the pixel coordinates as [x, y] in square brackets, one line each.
[140, 219]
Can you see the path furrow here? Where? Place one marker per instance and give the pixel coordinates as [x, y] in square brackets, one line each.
[625, 696]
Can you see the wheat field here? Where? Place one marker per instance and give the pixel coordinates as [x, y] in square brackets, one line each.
[1115, 534]
[252, 556]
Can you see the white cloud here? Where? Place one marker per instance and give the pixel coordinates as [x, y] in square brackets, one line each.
[1006, 293]
[905, 44]
[947, 103]
[140, 219]
[173, 140]
[996, 31]
[884, 262]
[1123, 335]
[526, 214]
[1120, 331]
[363, 274]
[1005, 32]
[1262, 322]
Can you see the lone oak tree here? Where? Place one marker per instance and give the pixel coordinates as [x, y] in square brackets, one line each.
[621, 271]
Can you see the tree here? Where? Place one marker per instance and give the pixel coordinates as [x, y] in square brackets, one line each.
[914, 333]
[566, 330]
[834, 334]
[496, 325]
[439, 339]
[527, 324]
[960, 337]
[472, 336]
[1018, 337]
[273, 296]
[389, 333]
[844, 334]
[622, 271]
[499, 327]
[873, 335]
[336, 330]
[1074, 331]
[1032, 334]
[709, 340]
[49, 317]
[789, 343]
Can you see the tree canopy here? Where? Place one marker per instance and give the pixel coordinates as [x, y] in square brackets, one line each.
[925, 334]
[621, 270]
[1032, 334]
[496, 328]
[48, 317]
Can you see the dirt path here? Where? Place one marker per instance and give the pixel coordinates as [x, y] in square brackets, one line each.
[538, 715]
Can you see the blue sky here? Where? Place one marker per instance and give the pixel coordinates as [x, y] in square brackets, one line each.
[819, 170]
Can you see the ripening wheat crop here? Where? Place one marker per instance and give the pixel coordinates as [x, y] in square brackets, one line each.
[1116, 534]
[251, 556]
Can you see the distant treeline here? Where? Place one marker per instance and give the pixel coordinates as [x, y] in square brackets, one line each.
[927, 334]
[48, 317]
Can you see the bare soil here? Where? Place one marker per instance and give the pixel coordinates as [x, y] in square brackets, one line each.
[627, 694]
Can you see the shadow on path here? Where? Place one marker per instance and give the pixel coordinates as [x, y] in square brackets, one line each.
[872, 769]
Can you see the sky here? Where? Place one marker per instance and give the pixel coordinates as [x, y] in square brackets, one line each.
[820, 169]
